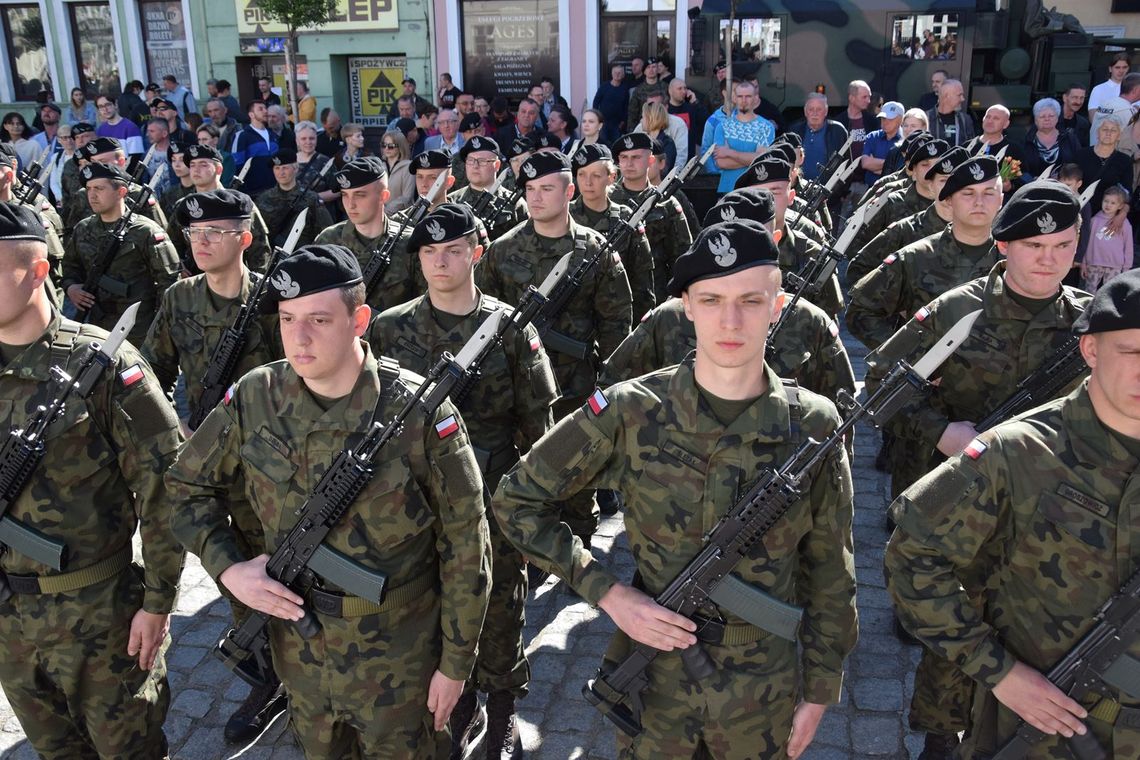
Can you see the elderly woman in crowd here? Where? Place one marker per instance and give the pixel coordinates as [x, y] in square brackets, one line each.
[401, 182]
[1045, 144]
[1103, 161]
[914, 120]
[310, 162]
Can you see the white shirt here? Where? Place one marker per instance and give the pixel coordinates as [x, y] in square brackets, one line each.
[1103, 92]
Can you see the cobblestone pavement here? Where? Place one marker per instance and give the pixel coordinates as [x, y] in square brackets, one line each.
[565, 641]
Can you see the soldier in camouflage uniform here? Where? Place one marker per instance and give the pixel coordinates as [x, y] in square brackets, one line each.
[665, 226]
[916, 196]
[517, 154]
[682, 445]
[913, 228]
[506, 411]
[480, 156]
[142, 268]
[900, 179]
[193, 315]
[47, 213]
[594, 175]
[106, 150]
[82, 651]
[822, 218]
[806, 349]
[795, 215]
[175, 157]
[363, 184]
[915, 275]
[597, 319]
[280, 205]
[1003, 555]
[378, 680]
[206, 169]
[773, 173]
[1027, 314]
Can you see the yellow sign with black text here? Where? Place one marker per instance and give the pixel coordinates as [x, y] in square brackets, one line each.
[374, 83]
[350, 16]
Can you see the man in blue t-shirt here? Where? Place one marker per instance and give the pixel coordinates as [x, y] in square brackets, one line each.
[878, 144]
[741, 137]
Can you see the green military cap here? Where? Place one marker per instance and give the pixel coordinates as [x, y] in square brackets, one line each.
[96, 170]
[541, 164]
[974, 171]
[954, 158]
[1116, 306]
[311, 269]
[447, 222]
[753, 203]
[19, 222]
[431, 159]
[361, 171]
[477, 144]
[769, 167]
[1038, 208]
[214, 205]
[721, 250]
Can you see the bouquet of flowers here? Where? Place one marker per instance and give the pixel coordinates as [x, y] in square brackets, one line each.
[1010, 169]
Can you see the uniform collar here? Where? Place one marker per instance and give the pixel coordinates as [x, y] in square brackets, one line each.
[202, 296]
[998, 304]
[767, 420]
[1091, 441]
[363, 396]
[36, 360]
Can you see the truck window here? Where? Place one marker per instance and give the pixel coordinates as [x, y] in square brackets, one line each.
[925, 37]
[755, 39]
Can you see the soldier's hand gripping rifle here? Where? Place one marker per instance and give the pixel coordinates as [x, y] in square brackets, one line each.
[224, 359]
[97, 275]
[381, 258]
[302, 555]
[707, 580]
[24, 449]
[1099, 664]
[277, 234]
[1043, 384]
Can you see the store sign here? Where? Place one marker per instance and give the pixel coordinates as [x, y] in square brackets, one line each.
[349, 16]
[374, 84]
[164, 39]
[508, 46]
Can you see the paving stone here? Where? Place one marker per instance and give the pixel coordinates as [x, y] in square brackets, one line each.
[875, 736]
[193, 702]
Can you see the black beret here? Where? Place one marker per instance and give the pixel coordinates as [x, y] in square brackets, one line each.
[448, 221]
[541, 164]
[723, 249]
[651, 60]
[954, 158]
[632, 141]
[721, 66]
[284, 157]
[101, 145]
[203, 151]
[19, 222]
[96, 170]
[81, 128]
[8, 154]
[970, 172]
[431, 159]
[545, 140]
[913, 142]
[470, 121]
[311, 269]
[784, 150]
[752, 203]
[405, 126]
[1038, 208]
[769, 167]
[174, 149]
[361, 171]
[930, 149]
[589, 154]
[521, 146]
[1116, 306]
[476, 144]
[791, 138]
[658, 149]
[214, 205]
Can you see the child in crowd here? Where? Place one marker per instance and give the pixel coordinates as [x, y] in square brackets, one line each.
[1109, 253]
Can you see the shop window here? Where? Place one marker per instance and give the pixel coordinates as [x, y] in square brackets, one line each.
[755, 39]
[95, 55]
[925, 37]
[27, 51]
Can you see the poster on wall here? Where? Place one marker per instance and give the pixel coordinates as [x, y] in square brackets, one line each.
[164, 39]
[374, 83]
[508, 46]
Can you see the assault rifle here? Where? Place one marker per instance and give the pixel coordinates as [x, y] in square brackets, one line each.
[707, 578]
[238, 180]
[302, 555]
[836, 160]
[1098, 664]
[1043, 384]
[571, 282]
[381, 258]
[286, 221]
[479, 207]
[24, 449]
[227, 353]
[97, 276]
[32, 182]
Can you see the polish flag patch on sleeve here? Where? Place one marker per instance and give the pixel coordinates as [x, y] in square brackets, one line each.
[535, 343]
[975, 449]
[159, 237]
[891, 259]
[131, 375]
[226, 399]
[922, 314]
[597, 402]
[833, 328]
[447, 426]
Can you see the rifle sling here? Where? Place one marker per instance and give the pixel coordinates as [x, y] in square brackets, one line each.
[338, 605]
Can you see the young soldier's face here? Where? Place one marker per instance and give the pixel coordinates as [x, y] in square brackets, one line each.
[635, 164]
[1115, 360]
[319, 334]
[481, 167]
[1034, 267]
[217, 245]
[449, 266]
[425, 178]
[103, 195]
[204, 172]
[548, 197]
[363, 204]
[977, 205]
[731, 315]
[594, 179]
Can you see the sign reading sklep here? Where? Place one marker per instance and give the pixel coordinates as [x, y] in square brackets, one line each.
[350, 16]
[374, 83]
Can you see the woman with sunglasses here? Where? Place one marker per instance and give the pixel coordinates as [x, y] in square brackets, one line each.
[401, 182]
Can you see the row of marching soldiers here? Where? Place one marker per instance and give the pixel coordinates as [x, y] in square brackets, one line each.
[505, 311]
